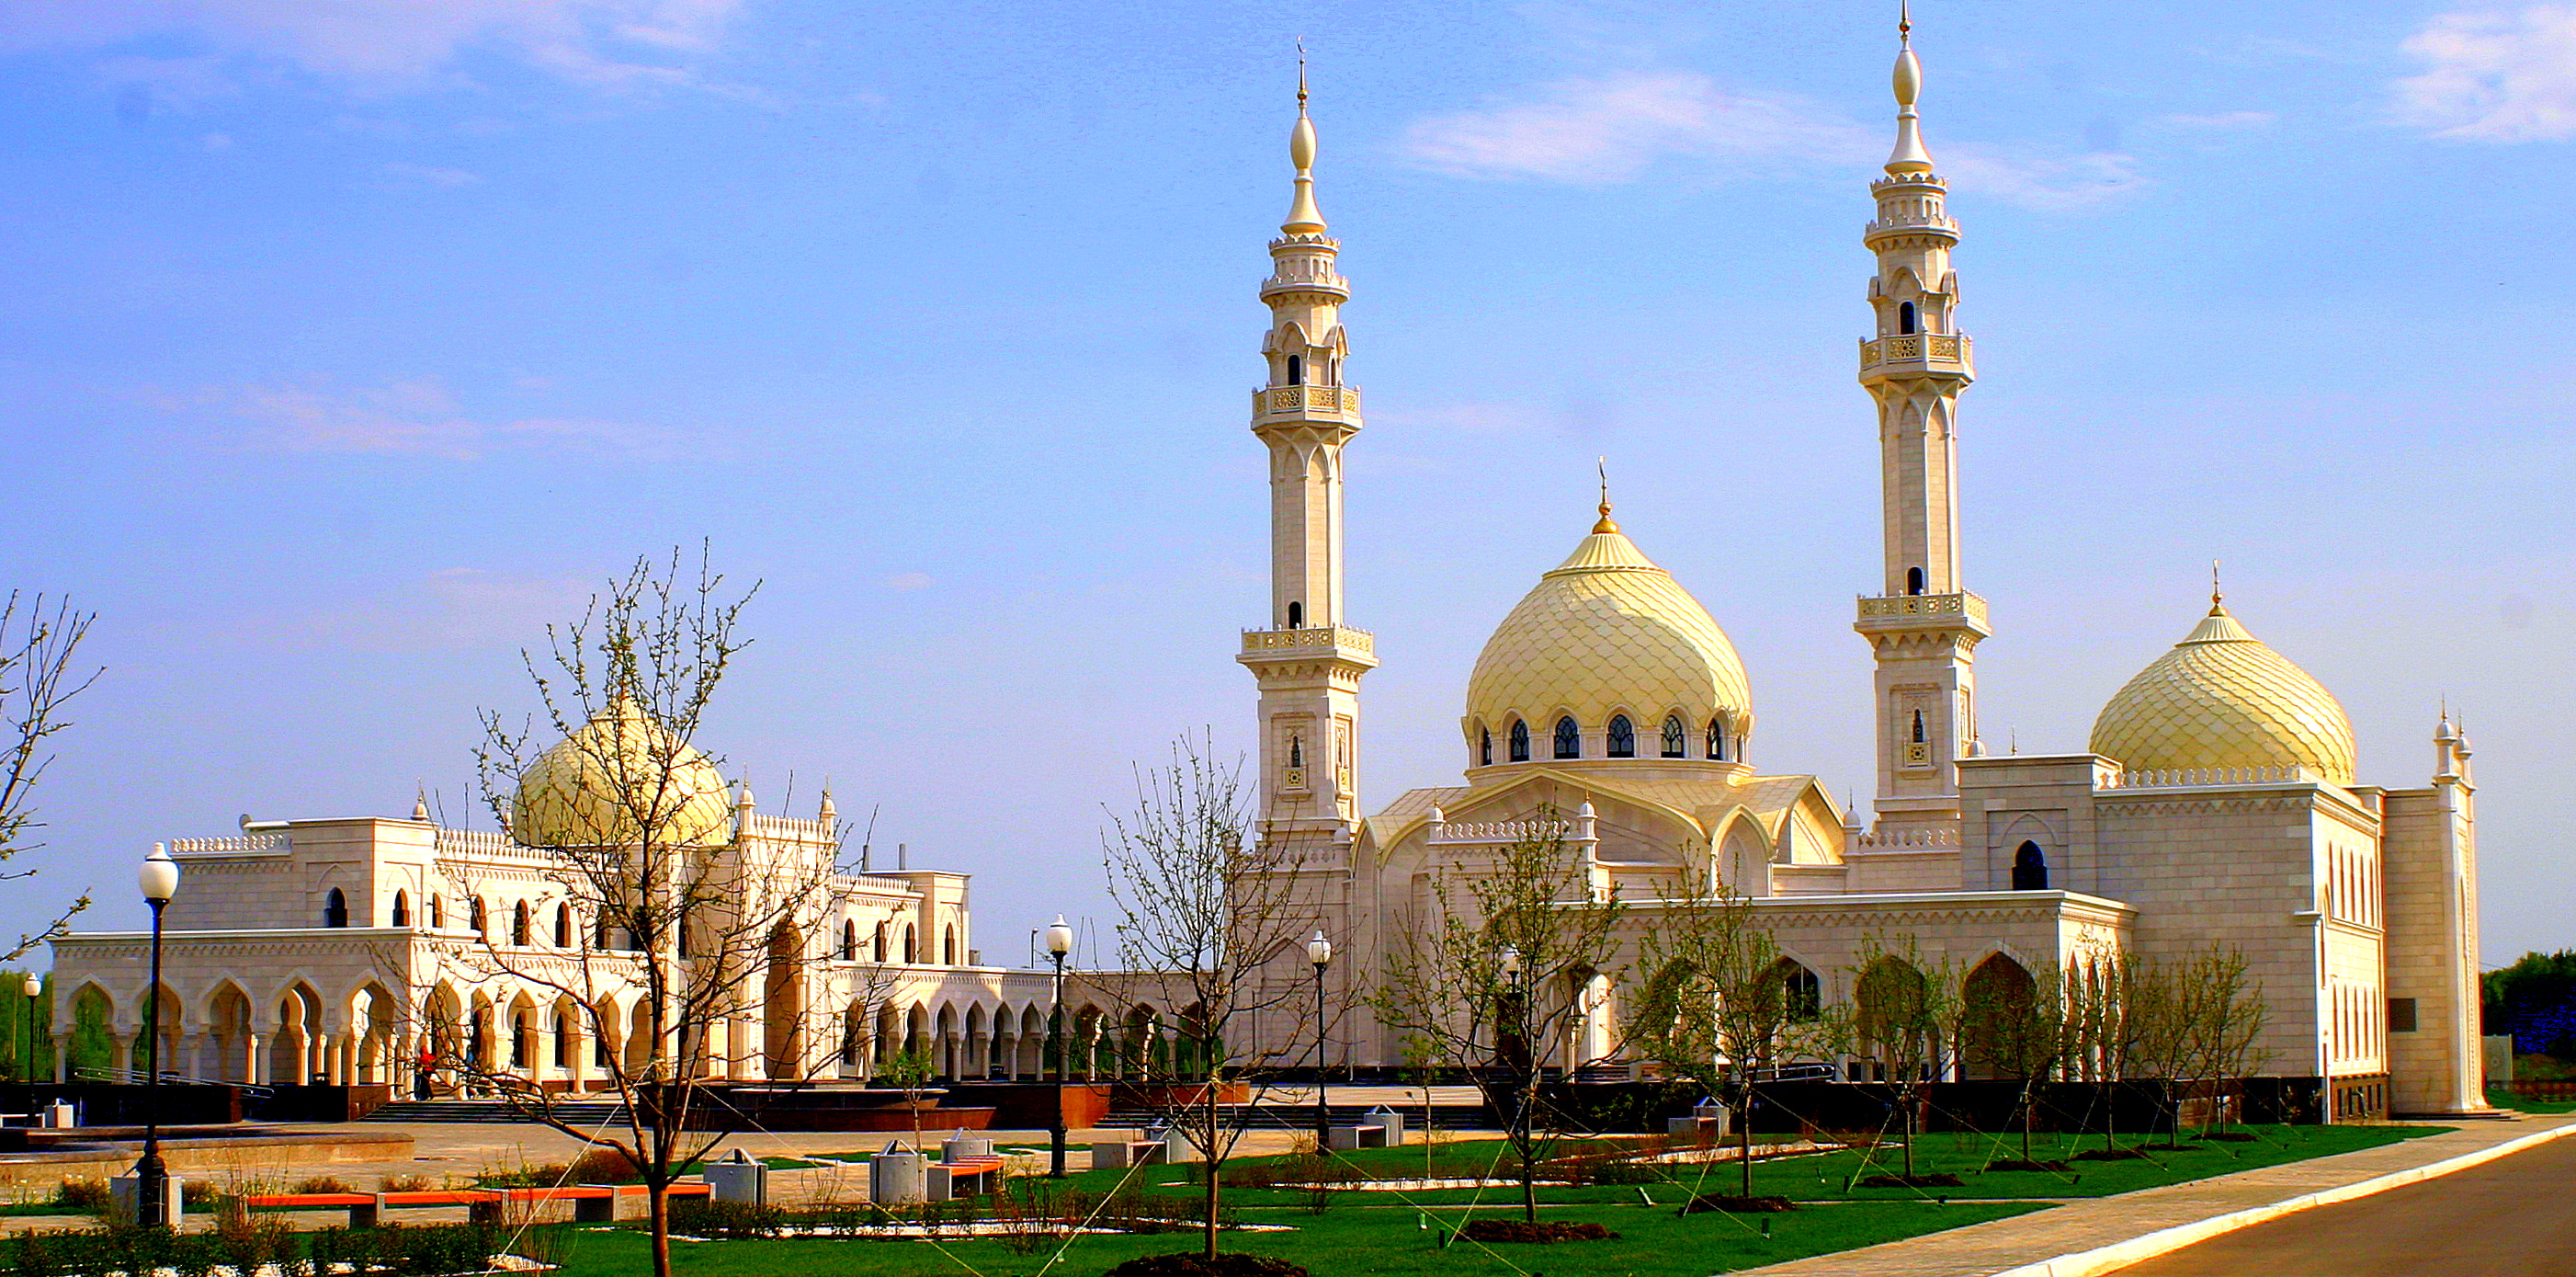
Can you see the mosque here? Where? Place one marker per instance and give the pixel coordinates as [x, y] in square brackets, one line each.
[2216, 801]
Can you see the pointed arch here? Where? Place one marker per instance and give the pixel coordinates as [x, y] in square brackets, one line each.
[1520, 741]
[1999, 1036]
[1567, 740]
[1676, 738]
[1623, 737]
[402, 908]
[335, 908]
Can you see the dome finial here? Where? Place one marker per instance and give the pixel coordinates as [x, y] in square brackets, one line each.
[2217, 597]
[1303, 217]
[1905, 23]
[1605, 525]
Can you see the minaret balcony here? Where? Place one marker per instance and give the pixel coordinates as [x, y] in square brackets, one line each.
[1315, 639]
[1287, 405]
[1895, 356]
[1921, 611]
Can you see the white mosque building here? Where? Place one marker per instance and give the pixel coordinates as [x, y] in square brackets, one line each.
[2215, 802]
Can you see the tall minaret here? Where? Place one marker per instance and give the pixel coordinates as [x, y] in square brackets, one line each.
[1308, 663]
[1925, 627]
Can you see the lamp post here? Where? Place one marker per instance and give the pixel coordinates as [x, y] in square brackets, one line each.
[159, 880]
[34, 988]
[1320, 952]
[1059, 939]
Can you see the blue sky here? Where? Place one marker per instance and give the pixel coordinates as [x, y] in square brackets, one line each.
[342, 347]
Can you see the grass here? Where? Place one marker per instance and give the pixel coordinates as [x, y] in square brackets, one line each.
[2505, 1099]
[1383, 1241]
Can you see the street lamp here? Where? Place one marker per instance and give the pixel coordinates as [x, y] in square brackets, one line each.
[1059, 938]
[1510, 962]
[159, 880]
[34, 988]
[1320, 952]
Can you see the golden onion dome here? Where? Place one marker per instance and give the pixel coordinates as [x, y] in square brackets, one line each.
[615, 776]
[1607, 632]
[2222, 698]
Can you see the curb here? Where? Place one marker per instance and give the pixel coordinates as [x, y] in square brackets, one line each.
[2118, 1255]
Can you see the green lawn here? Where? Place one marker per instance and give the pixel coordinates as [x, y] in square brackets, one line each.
[1349, 1239]
[2504, 1099]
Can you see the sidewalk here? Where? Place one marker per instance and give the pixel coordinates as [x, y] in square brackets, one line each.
[2003, 1244]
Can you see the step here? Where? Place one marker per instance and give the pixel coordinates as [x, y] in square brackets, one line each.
[573, 1113]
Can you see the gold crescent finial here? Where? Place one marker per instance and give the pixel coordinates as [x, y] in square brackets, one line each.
[1605, 525]
[1904, 23]
[1301, 75]
[2217, 598]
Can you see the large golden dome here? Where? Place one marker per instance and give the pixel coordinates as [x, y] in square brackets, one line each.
[2221, 698]
[614, 776]
[1608, 631]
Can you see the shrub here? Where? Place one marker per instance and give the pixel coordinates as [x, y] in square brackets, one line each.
[82, 1194]
[404, 1184]
[323, 1184]
[732, 1221]
[602, 1166]
[199, 1194]
[1732, 1204]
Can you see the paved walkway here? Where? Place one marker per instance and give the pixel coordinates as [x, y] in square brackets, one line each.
[2002, 1244]
[2511, 1217]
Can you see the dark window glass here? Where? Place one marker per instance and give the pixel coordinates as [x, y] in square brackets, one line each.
[402, 909]
[335, 909]
[1676, 741]
[519, 924]
[2030, 868]
[1297, 369]
[1717, 739]
[1520, 741]
[849, 941]
[1623, 737]
[563, 926]
[2401, 1015]
[1569, 740]
[1914, 580]
[1484, 748]
[1296, 616]
[1905, 318]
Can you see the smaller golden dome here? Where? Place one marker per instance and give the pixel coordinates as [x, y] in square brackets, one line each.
[2222, 698]
[615, 776]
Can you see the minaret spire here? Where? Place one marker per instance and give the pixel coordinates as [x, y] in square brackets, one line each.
[1925, 627]
[1307, 661]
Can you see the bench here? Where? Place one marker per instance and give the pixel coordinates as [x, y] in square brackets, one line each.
[1363, 1136]
[965, 1177]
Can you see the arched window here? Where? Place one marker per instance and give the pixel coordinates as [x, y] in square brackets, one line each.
[402, 909]
[335, 909]
[519, 1041]
[1623, 737]
[437, 913]
[474, 1040]
[1520, 741]
[599, 935]
[1676, 741]
[1914, 580]
[563, 1041]
[849, 940]
[519, 924]
[1484, 747]
[948, 944]
[881, 942]
[563, 926]
[474, 917]
[1296, 616]
[1297, 368]
[1569, 739]
[1918, 727]
[2030, 868]
[911, 951]
[1905, 317]
[1801, 994]
[1717, 739]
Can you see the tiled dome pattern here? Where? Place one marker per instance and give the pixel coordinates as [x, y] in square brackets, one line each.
[1607, 630]
[566, 797]
[2222, 698]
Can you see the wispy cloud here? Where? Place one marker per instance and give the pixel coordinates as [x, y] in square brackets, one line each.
[1612, 129]
[386, 44]
[447, 609]
[417, 417]
[1607, 130]
[401, 174]
[2494, 75]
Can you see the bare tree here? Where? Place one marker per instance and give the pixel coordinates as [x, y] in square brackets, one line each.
[1905, 1017]
[2018, 1030]
[1721, 1006]
[2112, 1013]
[38, 678]
[2224, 1031]
[1508, 968]
[1207, 906]
[673, 920]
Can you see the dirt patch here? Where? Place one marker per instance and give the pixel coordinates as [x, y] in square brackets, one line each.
[1736, 1205]
[2229, 1137]
[2017, 1164]
[1942, 1180]
[1226, 1264]
[1542, 1232]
